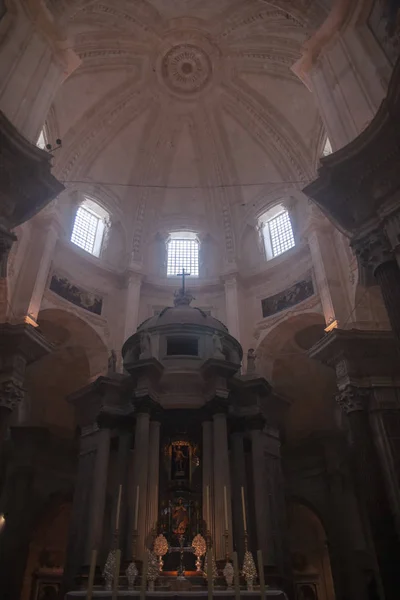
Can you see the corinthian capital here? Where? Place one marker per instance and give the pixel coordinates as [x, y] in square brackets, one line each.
[352, 399]
[372, 250]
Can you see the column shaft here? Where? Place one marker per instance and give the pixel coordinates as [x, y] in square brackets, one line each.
[372, 492]
[208, 479]
[221, 480]
[261, 498]
[154, 467]
[98, 493]
[140, 475]
[125, 439]
[238, 471]
[388, 277]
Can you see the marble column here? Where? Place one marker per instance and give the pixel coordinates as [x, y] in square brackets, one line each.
[319, 234]
[78, 528]
[98, 492]
[376, 257]
[140, 475]
[384, 417]
[124, 445]
[238, 472]
[221, 481]
[261, 497]
[153, 480]
[208, 479]
[388, 277]
[134, 282]
[232, 305]
[372, 494]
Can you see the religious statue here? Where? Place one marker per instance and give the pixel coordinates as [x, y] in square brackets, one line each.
[180, 460]
[251, 361]
[218, 353]
[112, 363]
[180, 518]
[145, 346]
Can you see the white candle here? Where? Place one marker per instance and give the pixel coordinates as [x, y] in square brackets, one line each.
[208, 508]
[244, 510]
[136, 508]
[225, 509]
[118, 507]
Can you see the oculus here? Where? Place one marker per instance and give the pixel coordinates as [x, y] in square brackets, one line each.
[186, 69]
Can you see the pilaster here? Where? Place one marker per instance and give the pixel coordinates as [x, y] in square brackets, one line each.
[232, 305]
[133, 286]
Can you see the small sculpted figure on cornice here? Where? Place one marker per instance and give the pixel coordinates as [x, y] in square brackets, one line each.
[11, 394]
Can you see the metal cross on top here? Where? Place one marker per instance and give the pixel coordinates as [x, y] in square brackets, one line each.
[183, 275]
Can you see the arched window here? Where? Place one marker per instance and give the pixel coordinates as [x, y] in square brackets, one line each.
[277, 231]
[183, 253]
[89, 226]
[327, 148]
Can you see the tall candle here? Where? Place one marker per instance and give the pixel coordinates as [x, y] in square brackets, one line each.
[116, 574]
[136, 508]
[244, 510]
[118, 507]
[92, 571]
[261, 573]
[225, 509]
[236, 575]
[208, 508]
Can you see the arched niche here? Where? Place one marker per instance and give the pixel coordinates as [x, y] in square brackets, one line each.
[79, 355]
[310, 556]
[309, 386]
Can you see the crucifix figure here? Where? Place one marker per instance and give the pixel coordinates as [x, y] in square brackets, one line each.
[183, 275]
[181, 296]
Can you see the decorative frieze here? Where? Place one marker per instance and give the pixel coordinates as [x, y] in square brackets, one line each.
[287, 298]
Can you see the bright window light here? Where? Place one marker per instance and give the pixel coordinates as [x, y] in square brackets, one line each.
[41, 142]
[85, 229]
[183, 253]
[327, 148]
[281, 233]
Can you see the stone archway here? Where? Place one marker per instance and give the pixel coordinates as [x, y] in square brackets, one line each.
[310, 555]
[79, 354]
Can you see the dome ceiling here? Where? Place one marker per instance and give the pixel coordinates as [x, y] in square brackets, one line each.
[187, 112]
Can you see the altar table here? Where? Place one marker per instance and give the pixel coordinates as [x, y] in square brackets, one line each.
[195, 595]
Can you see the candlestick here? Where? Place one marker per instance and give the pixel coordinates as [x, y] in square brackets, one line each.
[144, 575]
[134, 541]
[208, 507]
[244, 510]
[226, 536]
[245, 541]
[136, 508]
[261, 573]
[226, 509]
[92, 571]
[210, 574]
[116, 574]
[118, 507]
[236, 575]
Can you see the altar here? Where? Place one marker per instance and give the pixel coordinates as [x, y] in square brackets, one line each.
[196, 595]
